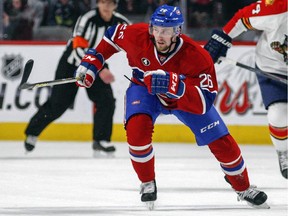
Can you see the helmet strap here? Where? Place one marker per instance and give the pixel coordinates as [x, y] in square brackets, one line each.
[172, 42]
[169, 49]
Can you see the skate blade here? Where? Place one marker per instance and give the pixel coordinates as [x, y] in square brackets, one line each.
[102, 154]
[150, 205]
[262, 206]
[27, 152]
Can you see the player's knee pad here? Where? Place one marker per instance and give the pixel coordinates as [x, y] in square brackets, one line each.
[277, 114]
[225, 149]
[139, 129]
[228, 153]
[277, 118]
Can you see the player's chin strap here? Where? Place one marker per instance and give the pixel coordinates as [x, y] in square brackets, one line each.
[172, 42]
[169, 49]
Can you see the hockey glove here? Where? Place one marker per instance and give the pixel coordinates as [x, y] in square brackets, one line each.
[161, 82]
[218, 44]
[90, 64]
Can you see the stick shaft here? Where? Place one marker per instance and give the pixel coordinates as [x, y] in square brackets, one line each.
[48, 83]
[257, 71]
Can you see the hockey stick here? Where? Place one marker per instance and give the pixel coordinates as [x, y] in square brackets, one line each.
[257, 71]
[48, 83]
[27, 71]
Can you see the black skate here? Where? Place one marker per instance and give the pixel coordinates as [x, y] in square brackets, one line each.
[102, 148]
[149, 193]
[283, 163]
[30, 142]
[254, 197]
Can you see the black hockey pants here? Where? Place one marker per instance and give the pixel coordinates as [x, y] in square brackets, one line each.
[63, 96]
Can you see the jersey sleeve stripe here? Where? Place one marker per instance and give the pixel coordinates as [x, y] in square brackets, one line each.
[111, 43]
[246, 23]
[202, 99]
[79, 41]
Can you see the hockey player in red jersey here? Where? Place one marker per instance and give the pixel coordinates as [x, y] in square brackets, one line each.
[171, 74]
[269, 16]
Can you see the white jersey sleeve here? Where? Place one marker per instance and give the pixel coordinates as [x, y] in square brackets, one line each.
[271, 18]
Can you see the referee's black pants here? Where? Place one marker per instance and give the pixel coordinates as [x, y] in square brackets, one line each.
[63, 96]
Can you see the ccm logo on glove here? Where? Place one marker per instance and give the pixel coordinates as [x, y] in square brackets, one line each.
[89, 58]
[162, 82]
[90, 64]
[174, 82]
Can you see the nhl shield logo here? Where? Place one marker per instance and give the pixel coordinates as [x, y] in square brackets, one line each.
[12, 66]
[145, 61]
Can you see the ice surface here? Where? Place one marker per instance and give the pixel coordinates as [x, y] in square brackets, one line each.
[62, 178]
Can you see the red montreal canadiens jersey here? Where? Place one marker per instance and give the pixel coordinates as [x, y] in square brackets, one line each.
[188, 59]
[270, 17]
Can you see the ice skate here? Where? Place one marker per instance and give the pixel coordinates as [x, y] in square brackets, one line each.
[254, 197]
[149, 193]
[283, 163]
[30, 142]
[103, 149]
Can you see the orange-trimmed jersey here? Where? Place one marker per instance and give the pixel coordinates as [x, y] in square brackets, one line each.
[269, 16]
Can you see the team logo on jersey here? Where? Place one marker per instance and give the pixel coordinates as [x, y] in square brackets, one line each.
[162, 58]
[12, 66]
[145, 61]
[281, 48]
[269, 2]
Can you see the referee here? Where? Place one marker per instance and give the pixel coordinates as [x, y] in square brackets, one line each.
[87, 33]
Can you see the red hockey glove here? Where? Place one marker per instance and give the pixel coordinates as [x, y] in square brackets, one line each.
[161, 82]
[90, 64]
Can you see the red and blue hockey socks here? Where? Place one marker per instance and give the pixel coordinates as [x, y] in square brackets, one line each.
[139, 129]
[228, 153]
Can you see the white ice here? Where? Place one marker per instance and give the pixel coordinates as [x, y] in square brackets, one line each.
[62, 178]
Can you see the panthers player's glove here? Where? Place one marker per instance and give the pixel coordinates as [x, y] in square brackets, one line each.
[90, 64]
[218, 44]
[161, 82]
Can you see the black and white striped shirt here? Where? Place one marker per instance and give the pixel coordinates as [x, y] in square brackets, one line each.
[91, 27]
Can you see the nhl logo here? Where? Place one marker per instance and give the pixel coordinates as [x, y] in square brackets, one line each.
[12, 66]
[145, 61]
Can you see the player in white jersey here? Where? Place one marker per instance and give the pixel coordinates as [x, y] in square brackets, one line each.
[269, 16]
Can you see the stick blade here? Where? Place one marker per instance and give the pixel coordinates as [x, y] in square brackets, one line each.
[26, 86]
[27, 71]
